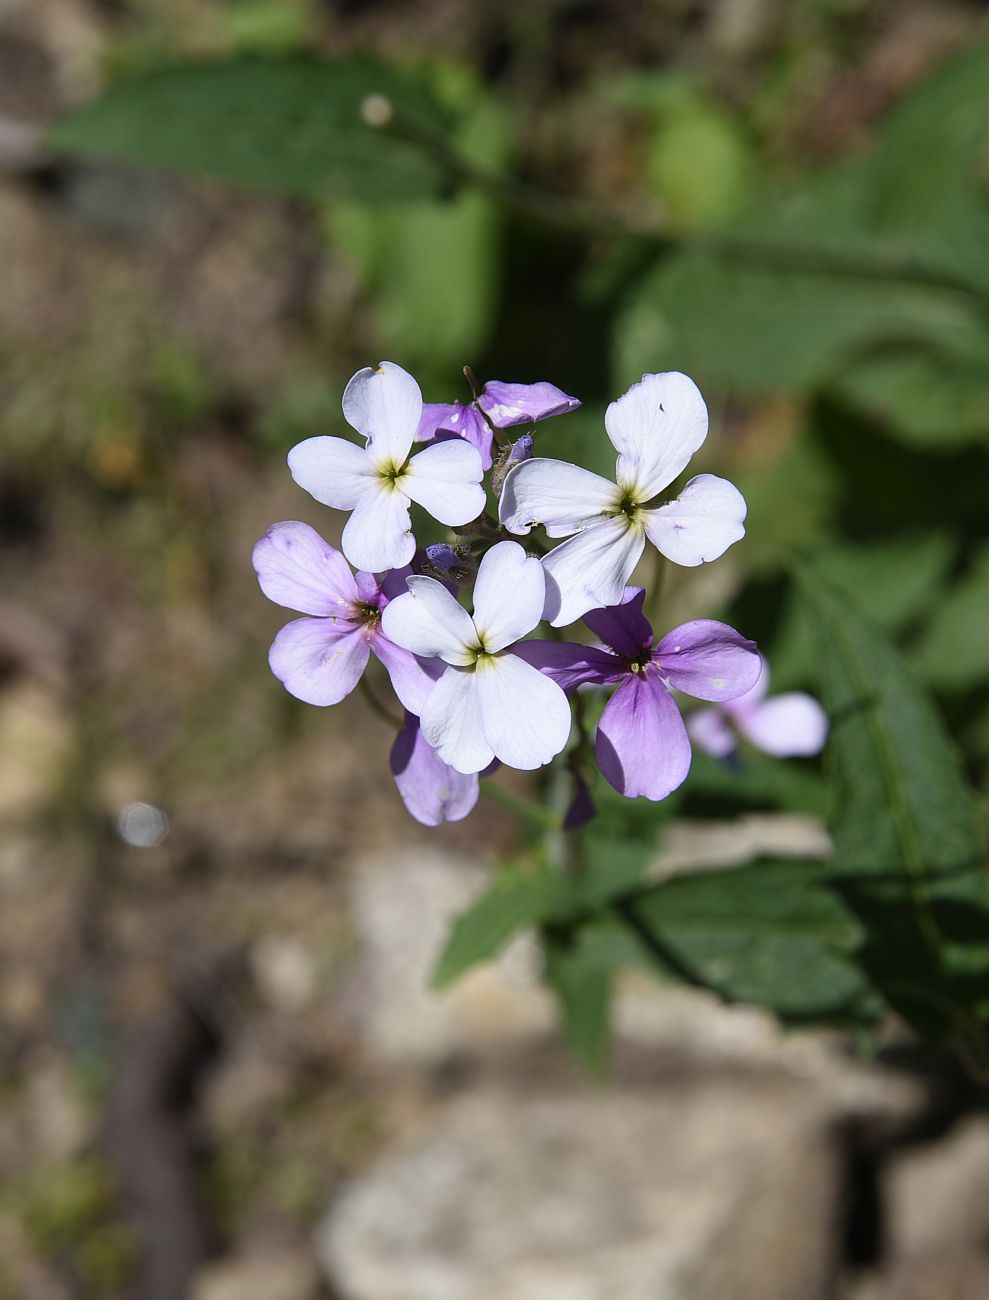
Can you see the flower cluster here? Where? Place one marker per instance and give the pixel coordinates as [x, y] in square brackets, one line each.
[476, 688]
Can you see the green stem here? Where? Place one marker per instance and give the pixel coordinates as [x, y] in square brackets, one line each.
[382, 711]
[532, 812]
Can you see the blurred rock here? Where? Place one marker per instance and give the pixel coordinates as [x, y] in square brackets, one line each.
[60, 1122]
[703, 1187]
[954, 1277]
[710, 845]
[35, 739]
[285, 972]
[938, 1196]
[273, 1274]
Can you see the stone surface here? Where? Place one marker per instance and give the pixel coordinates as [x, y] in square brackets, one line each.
[938, 1196]
[277, 1273]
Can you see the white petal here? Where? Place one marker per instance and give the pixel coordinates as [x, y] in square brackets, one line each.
[428, 621]
[451, 721]
[336, 472]
[385, 405]
[590, 570]
[445, 479]
[701, 523]
[508, 596]
[561, 497]
[525, 715]
[656, 427]
[378, 534]
[787, 726]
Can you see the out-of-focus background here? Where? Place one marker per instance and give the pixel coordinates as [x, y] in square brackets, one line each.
[221, 1074]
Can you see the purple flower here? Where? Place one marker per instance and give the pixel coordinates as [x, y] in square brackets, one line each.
[642, 746]
[432, 791]
[788, 726]
[503, 404]
[320, 659]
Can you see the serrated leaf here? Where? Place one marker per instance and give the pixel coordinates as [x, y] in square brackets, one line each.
[952, 653]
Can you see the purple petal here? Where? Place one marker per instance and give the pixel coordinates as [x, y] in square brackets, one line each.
[571, 665]
[642, 746]
[581, 809]
[431, 791]
[441, 420]
[443, 557]
[412, 678]
[709, 731]
[508, 404]
[709, 660]
[392, 584]
[787, 726]
[624, 627]
[297, 569]
[318, 660]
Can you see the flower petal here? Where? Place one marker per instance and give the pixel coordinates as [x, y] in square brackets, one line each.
[508, 596]
[623, 626]
[445, 479]
[526, 716]
[787, 726]
[297, 569]
[590, 570]
[709, 731]
[560, 496]
[384, 404]
[378, 535]
[444, 420]
[451, 721]
[743, 704]
[508, 404]
[432, 791]
[704, 520]
[336, 472]
[428, 621]
[642, 746]
[412, 678]
[656, 427]
[318, 660]
[571, 665]
[709, 660]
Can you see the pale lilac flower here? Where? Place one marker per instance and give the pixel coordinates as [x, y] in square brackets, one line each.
[497, 404]
[792, 725]
[320, 658]
[489, 703]
[378, 482]
[642, 746]
[655, 427]
[432, 791]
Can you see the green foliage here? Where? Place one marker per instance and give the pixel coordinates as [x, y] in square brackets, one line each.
[584, 991]
[952, 653]
[700, 164]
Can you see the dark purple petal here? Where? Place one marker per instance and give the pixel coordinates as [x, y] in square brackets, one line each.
[571, 665]
[709, 660]
[392, 583]
[581, 809]
[642, 746]
[624, 627]
[319, 660]
[412, 677]
[431, 791]
[508, 404]
[441, 420]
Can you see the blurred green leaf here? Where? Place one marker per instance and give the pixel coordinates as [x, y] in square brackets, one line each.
[584, 992]
[700, 164]
[925, 400]
[279, 125]
[757, 781]
[952, 653]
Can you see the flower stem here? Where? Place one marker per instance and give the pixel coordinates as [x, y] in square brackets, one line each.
[515, 803]
[382, 711]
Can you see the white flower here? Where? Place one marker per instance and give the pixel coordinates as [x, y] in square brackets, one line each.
[655, 427]
[377, 482]
[489, 703]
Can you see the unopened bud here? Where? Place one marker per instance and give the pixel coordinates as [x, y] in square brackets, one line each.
[517, 453]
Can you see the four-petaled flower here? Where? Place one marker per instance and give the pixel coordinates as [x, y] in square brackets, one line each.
[498, 404]
[792, 725]
[378, 482]
[320, 659]
[642, 746]
[655, 427]
[489, 703]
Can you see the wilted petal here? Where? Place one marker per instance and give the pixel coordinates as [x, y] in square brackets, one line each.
[445, 479]
[451, 721]
[560, 496]
[642, 746]
[508, 404]
[656, 427]
[525, 715]
[709, 730]
[378, 535]
[508, 596]
[384, 404]
[431, 790]
[428, 621]
[412, 678]
[590, 570]
[297, 569]
[336, 472]
[571, 665]
[709, 660]
[787, 726]
[704, 520]
[623, 626]
[318, 659]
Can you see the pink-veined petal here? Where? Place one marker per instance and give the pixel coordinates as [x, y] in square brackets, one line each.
[318, 660]
[378, 535]
[428, 621]
[560, 496]
[384, 404]
[445, 479]
[704, 520]
[787, 726]
[709, 660]
[432, 791]
[297, 569]
[336, 472]
[451, 721]
[709, 731]
[525, 715]
[590, 570]
[412, 678]
[642, 746]
[508, 596]
[656, 427]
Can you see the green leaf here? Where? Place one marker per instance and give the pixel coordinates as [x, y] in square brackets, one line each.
[924, 400]
[584, 992]
[278, 125]
[700, 164]
[757, 781]
[952, 652]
